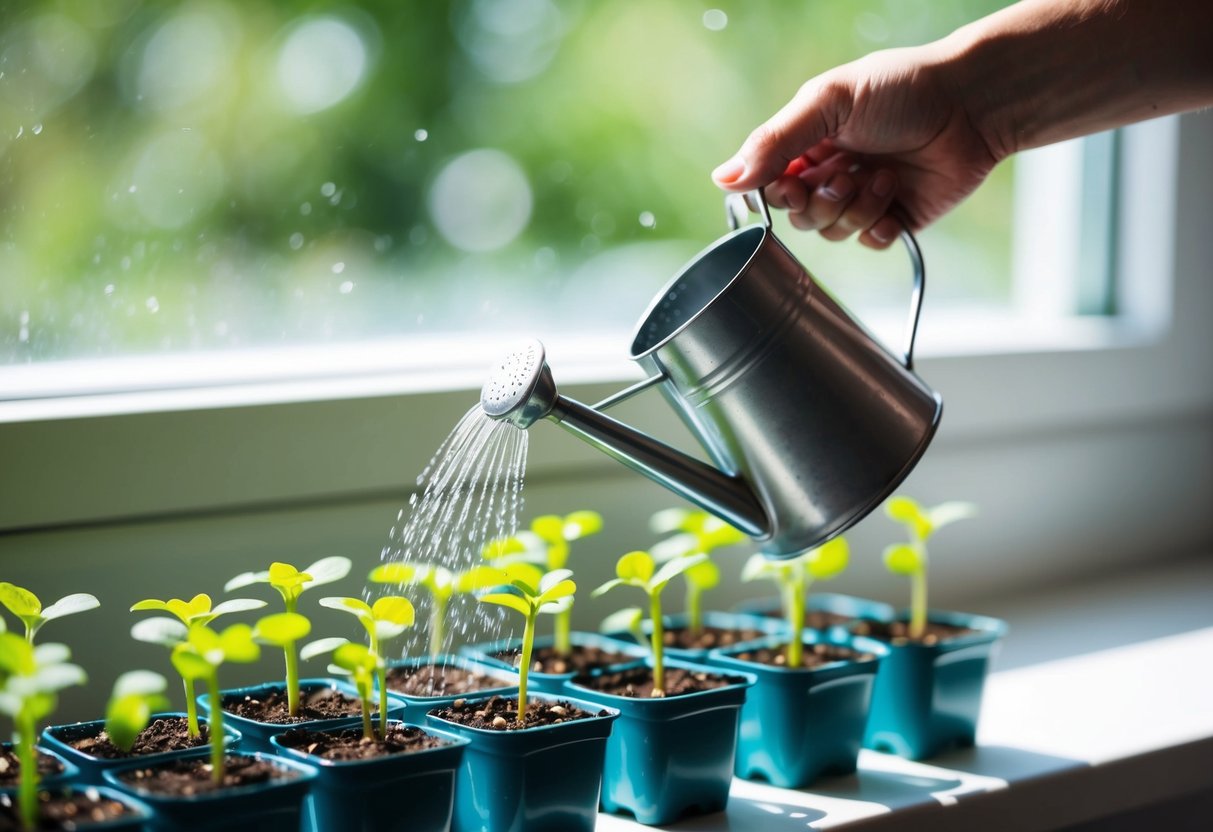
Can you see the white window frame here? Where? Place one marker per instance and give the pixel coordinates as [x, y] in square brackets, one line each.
[317, 434]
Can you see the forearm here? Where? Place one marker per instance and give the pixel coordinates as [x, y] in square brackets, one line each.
[1043, 71]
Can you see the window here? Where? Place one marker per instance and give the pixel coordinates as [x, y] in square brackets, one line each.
[210, 176]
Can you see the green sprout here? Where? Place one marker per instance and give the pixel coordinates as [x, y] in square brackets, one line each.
[694, 532]
[386, 619]
[26, 606]
[291, 583]
[639, 569]
[441, 583]
[911, 558]
[169, 632]
[137, 695]
[794, 577]
[362, 665]
[284, 630]
[199, 658]
[547, 545]
[32, 678]
[628, 619]
[524, 589]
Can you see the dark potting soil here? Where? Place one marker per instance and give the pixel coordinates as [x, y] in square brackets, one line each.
[183, 778]
[814, 655]
[10, 767]
[816, 619]
[499, 713]
[79, 809]
[637, 682]
[314, 703]
[579, 659]
[440, 680]
[898, 632]
[350, 744]
[708, 638]
[169, 733]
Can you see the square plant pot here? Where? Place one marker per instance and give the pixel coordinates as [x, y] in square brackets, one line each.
[670, 756]
[402, 792]
[255, 735]
[927, 697]
[59, 738]
[544, 779]
[488, 654]
[498, 680]
[825, 611]
[135, 817]
[272, 806]
[728, 628]
[799, 724]
[56, 770]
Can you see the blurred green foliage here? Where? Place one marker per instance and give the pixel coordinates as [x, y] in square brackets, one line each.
[201, 175]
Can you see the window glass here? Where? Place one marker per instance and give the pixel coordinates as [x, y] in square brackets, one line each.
[213, 175]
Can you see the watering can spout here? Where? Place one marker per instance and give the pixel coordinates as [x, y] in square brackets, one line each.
[521, 391]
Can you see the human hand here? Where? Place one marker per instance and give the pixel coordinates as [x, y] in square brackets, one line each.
[885, 136]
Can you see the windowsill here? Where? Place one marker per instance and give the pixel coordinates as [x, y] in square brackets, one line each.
[1061, 742]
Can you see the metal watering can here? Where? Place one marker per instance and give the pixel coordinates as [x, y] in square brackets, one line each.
[810, 422]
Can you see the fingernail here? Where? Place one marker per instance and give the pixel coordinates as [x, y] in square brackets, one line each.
[883, 231]
[836, 189]
[730, 171]
[882, 183]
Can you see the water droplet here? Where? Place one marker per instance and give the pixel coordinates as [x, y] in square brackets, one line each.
[152, 304]
[421, 135]
[125, 263]
[328, 189]
[305, 208]
[132, 189]
[37, 129]
[647, 219]
[296, 241]
[109, 287]
[346, 287]
[715, 19]
[338, 267]
[20, 132]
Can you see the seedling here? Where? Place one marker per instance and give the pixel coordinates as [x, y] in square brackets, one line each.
[284, 630]
[639, 569]
[362, 665]
[526, 590]
[32, 678]
[547, 545]
[169, 632]
[694, 532]
[199, 658]
[291, 583]
[387, 618]
[26, 606]
[137, 695]
[628, 619]
[911, 558]
[794, 577]
[441, 583]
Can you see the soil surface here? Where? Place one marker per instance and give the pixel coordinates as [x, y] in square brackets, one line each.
[578, 660]
[440, 680]
[637, 682]
[350, 744]
[816, 619]
[498, 713]
[314, 703]
[164, 734]
[708, 638]
[189, 777]
[10, 767]
[814, 655]
[898, 632]
[78, 810]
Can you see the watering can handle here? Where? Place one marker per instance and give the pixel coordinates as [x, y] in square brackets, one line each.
[737, 207]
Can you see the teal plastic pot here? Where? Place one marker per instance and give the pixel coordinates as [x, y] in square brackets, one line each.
[799, 725]
[673, 756]
[849, 606]
[553, 682]
[411, 792]
[137, 818]
[275, 806]
[544, 779]
[416, 707]
[927, 698]
[69, 773]
[256, 735]
[721, 620]
[59, 738]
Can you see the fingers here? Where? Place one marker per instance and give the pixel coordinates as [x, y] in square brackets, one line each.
[810, 118]
[839, 197]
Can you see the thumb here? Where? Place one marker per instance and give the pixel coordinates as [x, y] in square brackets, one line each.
[816, 113]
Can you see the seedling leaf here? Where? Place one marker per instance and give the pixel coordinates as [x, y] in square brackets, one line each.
[903, 559]
[247, 579]
[394, 610]
[608, 586]
[139, 683]
[581, 524]
[674, 568]
[945, 514]
[506, 599]
[19, 601]
[829, 559]
[564, 589]
[70, 605]
[703, 575]
[626, 619]
[327, 570]
[281, 629]
[236, 605]
[165, 631]
[356, 606]
[635, 567]
[321, 646]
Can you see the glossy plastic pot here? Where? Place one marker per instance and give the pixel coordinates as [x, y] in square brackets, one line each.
[68, 772]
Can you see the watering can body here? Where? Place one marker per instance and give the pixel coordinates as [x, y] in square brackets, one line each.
[811, 423]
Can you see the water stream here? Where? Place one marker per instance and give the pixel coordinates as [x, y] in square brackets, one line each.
[468, 494]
